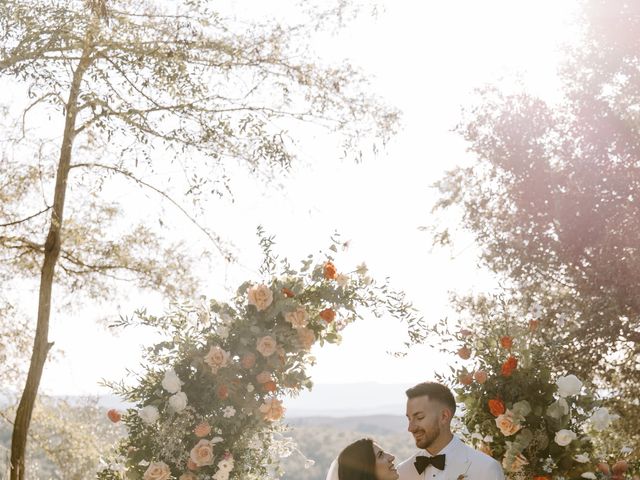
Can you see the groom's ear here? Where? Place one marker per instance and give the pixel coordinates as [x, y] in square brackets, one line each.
[446, 415]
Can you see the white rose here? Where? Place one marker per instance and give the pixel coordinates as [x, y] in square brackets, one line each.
[581, 458]
[149, 414]
[488, 439]
[521, 408]
[601, 419]
[558, 408]
[568, 386]
[171, 383]
[157, 471]
[178, 402]
[589, 475]
[564, 437]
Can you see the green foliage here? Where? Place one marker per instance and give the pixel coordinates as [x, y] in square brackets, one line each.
[230, 363]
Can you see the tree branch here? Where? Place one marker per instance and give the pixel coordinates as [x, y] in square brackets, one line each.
[217, 241]
[25, 219]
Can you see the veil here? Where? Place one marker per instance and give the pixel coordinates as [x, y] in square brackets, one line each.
[332, 474]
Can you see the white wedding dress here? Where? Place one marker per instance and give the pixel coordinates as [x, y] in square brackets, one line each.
[332, 474]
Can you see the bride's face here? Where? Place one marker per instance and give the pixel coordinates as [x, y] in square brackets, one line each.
[384, 468]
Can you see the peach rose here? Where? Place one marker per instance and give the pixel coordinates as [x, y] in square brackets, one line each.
[306, 337]
[298, 318]
[329, 270]
[260, 296]
[264, 377]
[202, 453]
[202, 429]
[191, 465]
[480, 376]
[328, 315]
[272, 409]
[188, 476]
[465, 378]
[506, 425]
[114, 415]
[603, 467]
[217, 358]
[518, 463]
[464, 353]
[620, 467]
[157, 471]
[266, 345]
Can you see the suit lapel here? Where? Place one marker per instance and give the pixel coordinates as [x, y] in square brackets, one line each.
[458, 462]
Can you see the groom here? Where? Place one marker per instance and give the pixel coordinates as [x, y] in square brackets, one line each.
[430, 408]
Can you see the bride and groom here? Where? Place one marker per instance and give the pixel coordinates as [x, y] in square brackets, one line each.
[442, 455]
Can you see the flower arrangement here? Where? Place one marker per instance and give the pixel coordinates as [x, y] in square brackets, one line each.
[535, 421]
[209, 402]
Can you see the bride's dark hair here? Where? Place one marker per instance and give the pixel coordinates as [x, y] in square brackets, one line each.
[357, 461]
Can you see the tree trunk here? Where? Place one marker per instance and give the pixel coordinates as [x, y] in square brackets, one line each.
[41, 344]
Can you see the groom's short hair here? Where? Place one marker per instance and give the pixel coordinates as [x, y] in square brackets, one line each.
[435, 391]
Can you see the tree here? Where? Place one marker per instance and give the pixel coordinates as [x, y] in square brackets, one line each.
[138, 89]
[552, 200]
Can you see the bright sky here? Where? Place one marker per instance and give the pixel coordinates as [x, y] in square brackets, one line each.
[425, 58]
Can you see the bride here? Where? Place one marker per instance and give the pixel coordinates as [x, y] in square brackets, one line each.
[363, 460]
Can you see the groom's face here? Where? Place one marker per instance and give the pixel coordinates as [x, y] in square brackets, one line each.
[424, 420]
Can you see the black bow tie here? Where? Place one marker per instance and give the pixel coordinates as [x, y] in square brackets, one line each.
[422, 462]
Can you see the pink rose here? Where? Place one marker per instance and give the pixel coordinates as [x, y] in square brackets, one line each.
[298, 318]
[216, 358]
[260, 296]
[266, 345]
[202, 453]
[157, 471]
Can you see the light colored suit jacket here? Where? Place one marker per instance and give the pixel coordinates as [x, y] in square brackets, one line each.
[461, 463]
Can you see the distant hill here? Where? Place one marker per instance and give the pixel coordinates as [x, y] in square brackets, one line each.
[321, 439]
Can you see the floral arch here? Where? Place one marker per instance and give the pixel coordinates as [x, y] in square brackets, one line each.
[208, 403]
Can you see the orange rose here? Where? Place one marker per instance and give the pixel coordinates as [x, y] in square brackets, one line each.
[480, 376]
[223, 392]
[509, 366]
[202, 430]
[466, 379]
[269, 386]
[541, 477]
[506, 342]
[464, 353]
[328, 315]
[496, 407]
[288, 293]
[114, 415]
[330, 271]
